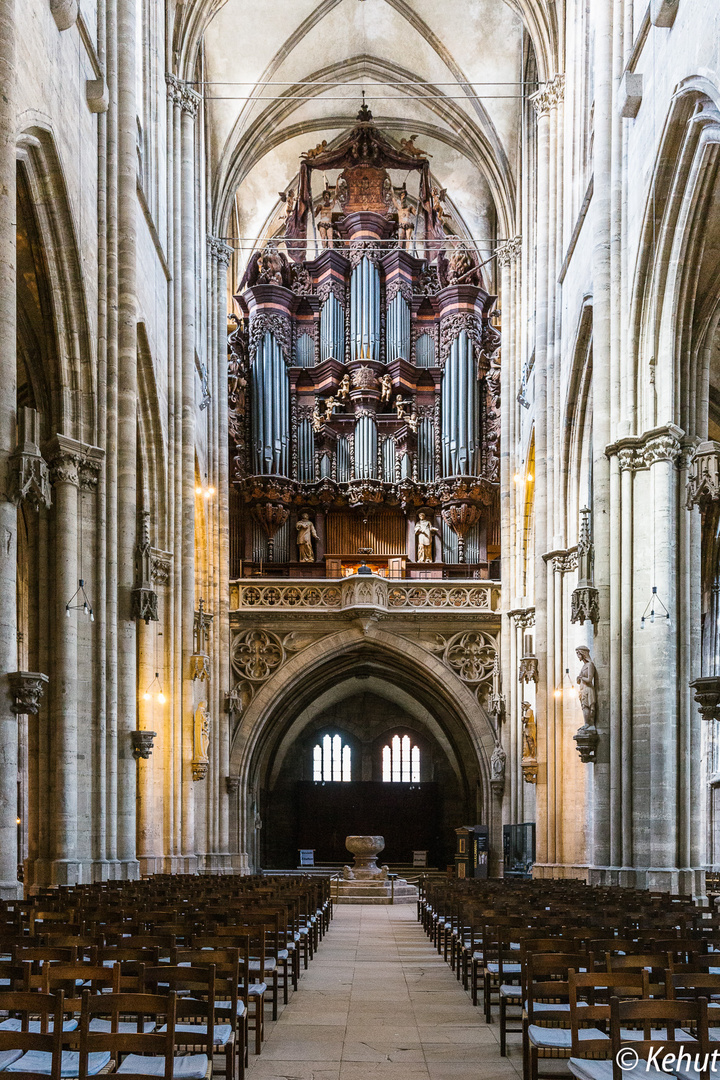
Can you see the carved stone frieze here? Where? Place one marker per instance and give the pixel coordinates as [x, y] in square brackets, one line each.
[279, 326]
[142, 743]
[27, 688]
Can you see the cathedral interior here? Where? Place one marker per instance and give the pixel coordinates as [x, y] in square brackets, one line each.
[359, 500]
[359, 459]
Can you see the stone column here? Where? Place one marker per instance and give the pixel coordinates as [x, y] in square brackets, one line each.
[189, 105]
[126, 433]
[542, 102]
[222, 253]
[602, 334]
[65, 867]
[8, 514]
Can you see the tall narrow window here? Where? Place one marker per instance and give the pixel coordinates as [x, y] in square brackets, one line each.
[401, 761]
[332, 760]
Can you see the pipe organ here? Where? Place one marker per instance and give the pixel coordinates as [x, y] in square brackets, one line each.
[364, 380]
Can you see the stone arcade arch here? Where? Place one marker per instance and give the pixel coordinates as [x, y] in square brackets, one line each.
[326, 669]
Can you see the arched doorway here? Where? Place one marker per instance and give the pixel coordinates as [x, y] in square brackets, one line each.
[369, 687]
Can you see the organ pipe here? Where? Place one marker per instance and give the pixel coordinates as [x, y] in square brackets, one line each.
[332, 330]
[365, 311]
[397, 334]
[366, 448]
[460, 409]
[270, 400]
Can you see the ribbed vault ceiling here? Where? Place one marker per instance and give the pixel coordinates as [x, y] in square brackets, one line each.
[264, 67]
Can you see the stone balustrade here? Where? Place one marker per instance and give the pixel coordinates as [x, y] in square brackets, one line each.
[359, 591]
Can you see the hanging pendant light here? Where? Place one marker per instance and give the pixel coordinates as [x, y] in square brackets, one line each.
[147, 696]
[655, 607]
[83, 602]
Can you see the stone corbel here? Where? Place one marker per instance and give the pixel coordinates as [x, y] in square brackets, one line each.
[528, 669]
[663, 12]
[232, 784]
[707, 696]
[630, 94]
[64, 12]
[703, 483]
[585, 604]
[97, 95]
[200, 667]
[142, 743]
[587, 739]
[529, 771]
[143, 598]
[28, 478]
[27, 687]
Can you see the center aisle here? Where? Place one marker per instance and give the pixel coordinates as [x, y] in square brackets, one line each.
[378, 1001]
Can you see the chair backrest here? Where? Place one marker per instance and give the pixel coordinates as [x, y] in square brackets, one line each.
[161, 1007]
[666, 1019]
[547, 981]
[49, 1009]
[589, 996]
[195, 987]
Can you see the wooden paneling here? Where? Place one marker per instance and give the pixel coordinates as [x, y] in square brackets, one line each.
[384, 532]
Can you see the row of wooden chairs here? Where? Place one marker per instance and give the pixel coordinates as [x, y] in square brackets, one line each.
[221, 949]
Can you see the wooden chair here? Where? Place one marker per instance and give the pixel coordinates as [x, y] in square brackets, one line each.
[134, 1051]
[34, 1054]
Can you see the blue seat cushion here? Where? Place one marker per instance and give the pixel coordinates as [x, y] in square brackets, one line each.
[186, 1067]
[15, 1024]
[221, 1035]
[40, 1061]
[125, 1027]
[7, 1057]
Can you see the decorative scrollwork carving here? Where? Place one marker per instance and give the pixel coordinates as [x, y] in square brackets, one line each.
[256, 655]
[278, 325]
[471, 655]
[452, 326]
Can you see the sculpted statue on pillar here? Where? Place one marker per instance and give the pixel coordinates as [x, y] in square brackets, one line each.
[529, 749]
[305, 536]
[344, 388]
[586, 737]
[386, 387]
[586, 685]
[424, 532]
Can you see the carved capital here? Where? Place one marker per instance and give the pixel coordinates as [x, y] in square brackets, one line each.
[142, 743]
[219, 250]
[232, 784]
[523, 618]
[642, 451]
[27, 687]
[509, 251]
[549, 96]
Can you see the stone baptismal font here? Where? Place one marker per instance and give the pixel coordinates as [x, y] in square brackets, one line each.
[367, 883]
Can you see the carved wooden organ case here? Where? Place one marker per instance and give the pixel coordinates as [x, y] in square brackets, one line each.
[364, 381]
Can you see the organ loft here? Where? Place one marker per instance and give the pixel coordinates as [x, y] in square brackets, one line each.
[364, 379]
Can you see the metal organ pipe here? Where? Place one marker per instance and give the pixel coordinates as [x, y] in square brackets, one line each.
[397, 335]
[365, 311]
[460, 409]
[270, 398]
[366, 448]
[332, 330]
[426, 451]
[306, 452]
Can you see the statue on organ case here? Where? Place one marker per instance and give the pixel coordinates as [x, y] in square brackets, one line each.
[424, 533]
[386, 384]
[305, 536]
